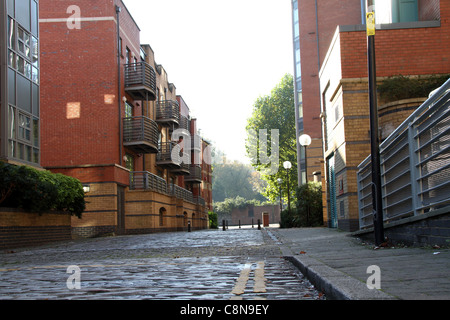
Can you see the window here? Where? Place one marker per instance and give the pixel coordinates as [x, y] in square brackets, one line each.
[393, 11]
[129, 163]
[24, 127]
[128, 110]
[24, 51]
[11, 34]
[127, 55]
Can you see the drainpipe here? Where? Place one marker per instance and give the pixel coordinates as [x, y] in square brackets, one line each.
[119, 93]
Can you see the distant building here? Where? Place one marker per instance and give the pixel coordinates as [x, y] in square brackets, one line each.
[269, 214]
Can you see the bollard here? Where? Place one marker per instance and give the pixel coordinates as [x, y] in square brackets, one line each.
[259, 224]
[252, 223]
[189, 226]
[223, 225]
[239, 224]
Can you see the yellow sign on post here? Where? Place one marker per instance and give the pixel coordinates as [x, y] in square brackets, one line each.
[370, 23]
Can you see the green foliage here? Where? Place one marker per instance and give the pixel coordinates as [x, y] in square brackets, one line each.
[39, 191]
[213, 220]
[402, 87]
[309, 209]
[226, 206]
[236, 179]
[276, 111]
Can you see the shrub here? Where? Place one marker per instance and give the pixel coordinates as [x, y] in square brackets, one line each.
[402, 87]
[213, 220]
[39, 191]
[308, 211]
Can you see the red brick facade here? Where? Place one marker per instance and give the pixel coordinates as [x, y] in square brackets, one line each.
[409, 49]
[84, 102]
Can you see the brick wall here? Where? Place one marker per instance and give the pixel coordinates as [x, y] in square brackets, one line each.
[429, 229]
[252, 214]
[21, 229]
[143, 210]
[407, 51]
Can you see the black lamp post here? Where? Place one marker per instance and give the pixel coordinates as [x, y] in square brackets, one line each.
[287, 165]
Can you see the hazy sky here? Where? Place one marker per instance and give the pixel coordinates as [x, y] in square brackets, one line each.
[221, 56]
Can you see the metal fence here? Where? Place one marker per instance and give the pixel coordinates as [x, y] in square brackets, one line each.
[144, 180]
[415, 164]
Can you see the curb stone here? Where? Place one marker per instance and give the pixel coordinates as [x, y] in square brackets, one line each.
[334, 284]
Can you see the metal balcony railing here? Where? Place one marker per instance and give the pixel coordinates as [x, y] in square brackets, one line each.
[140, 134]
[199, 200]
[415, 164]
[168, 155]
[140, 81]
[167, 112]
[181, 193]
[144, 180]
[195, 174]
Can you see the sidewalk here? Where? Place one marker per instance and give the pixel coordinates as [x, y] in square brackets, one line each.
[336, 263]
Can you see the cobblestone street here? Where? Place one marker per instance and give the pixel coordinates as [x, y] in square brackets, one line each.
[215, 265]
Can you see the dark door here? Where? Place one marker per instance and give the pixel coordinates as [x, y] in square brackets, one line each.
[120, 210]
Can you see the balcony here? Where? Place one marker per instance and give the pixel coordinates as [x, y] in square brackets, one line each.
[167, 113]
[184, 126]
[140, 134]
[167, 156]
[144, 180]
[182, 170]
[195, 174]
[181, 193]
[196, 143]
[140, 81]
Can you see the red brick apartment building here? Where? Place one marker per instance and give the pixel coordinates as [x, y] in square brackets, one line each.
[411, 40]
[109, 115]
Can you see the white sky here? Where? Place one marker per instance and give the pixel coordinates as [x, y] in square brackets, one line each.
[221, 56]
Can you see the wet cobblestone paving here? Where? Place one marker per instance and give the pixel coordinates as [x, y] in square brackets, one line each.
[242, 264]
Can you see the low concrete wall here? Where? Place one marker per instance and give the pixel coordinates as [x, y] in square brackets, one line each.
[428, 229]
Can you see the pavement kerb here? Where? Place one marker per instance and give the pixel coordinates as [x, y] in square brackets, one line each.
[334, 284]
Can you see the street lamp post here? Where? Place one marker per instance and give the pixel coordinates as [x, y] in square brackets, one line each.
[374, 136]
[280, 181]
[305, 141]
[287, 165]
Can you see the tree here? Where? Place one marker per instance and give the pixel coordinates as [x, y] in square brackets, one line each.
[308, 211]
[275, 112]
[235, 179]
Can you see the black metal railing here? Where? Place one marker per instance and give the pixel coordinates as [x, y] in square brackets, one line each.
[140, 81]
[140, 134]
[195, 174]
[168, 154]
[167, 112]
[144, 180]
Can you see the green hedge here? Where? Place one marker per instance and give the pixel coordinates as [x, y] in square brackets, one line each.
[39, 191]
[403, 87]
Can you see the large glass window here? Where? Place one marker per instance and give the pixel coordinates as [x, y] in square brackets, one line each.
[393, 11]
[23, 137]
[24, 127]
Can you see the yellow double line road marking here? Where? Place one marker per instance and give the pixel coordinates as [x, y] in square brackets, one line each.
[259, 279]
